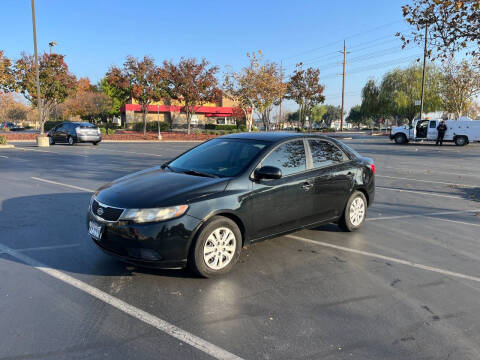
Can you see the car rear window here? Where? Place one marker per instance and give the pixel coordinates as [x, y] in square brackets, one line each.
[87, 126]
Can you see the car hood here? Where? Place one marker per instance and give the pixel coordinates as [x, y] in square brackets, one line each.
[156, 187]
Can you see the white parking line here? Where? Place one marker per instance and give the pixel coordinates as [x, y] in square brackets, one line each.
[27, 149]
[3, 156]
[388, 258]
[420, 192]
[62, 184]
[40, 248]
[430, 172]
[133, 152]
[453, 221]
[425, 181]
[426, 214]
[162, 325]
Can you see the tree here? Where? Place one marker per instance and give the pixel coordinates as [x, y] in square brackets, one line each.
[88, 103]
[317, 113]
[118, 97]
[400, 88]
[356, 116]
[332, 113]
[452, 25]
[305, 89]
[142, 80]
[460, 86]
[56, 82]
[6, 73]
[371, 99]
[193, 83]
[240, 87]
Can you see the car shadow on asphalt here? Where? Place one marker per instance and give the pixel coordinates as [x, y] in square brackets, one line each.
[57, 222]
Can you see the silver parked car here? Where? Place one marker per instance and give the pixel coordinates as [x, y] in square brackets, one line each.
[75, 132]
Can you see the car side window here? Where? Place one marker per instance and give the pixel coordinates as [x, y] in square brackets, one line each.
[324, 153]
[288, 157]
[433, 124]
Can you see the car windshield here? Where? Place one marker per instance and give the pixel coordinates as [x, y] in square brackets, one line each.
[219, 157]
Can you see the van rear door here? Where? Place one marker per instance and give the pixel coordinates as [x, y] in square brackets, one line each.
[432, 130]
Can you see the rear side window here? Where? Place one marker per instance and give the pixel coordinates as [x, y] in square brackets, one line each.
[325, 153]
[433, 124]
[288, 157]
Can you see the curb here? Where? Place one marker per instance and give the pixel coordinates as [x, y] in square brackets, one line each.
[8, 146]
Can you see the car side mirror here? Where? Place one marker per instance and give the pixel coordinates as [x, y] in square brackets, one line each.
[267, 172]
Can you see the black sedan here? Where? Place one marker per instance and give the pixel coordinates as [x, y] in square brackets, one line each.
[202, 207]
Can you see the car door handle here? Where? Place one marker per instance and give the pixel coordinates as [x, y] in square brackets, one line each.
[307, 185]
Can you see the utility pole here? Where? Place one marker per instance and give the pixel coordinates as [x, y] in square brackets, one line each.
[37, 71]
[281, 97]
[423, 75]
[344, 52]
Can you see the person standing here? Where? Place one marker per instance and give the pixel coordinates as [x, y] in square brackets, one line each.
[441, 128]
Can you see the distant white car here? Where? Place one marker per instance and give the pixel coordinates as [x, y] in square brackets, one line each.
[462, 131]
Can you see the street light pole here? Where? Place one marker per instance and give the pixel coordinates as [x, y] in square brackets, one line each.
[423, 74]
[37, 71]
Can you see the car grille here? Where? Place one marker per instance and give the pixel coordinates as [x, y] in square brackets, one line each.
[105, 212]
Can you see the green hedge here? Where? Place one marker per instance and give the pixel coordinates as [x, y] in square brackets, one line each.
[151, 126]
[3, 140]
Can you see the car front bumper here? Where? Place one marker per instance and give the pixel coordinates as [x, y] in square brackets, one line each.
[156, 245]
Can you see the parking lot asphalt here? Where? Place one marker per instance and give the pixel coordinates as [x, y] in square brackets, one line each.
[405, 286]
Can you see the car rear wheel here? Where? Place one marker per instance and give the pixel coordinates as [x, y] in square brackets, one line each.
[461, 140]
[95, 142]
[70, 140]
[400, 139]
[217, 247]
[355, 212]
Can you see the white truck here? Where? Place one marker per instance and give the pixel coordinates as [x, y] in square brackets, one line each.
[461, 132]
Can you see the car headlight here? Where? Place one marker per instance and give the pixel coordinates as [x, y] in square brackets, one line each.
[155, 214]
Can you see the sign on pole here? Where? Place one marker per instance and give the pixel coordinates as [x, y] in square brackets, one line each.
[418, 102]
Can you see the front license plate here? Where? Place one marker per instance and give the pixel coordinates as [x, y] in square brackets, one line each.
[95, 230]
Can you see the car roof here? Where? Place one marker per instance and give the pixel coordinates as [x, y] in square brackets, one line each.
[276, 136]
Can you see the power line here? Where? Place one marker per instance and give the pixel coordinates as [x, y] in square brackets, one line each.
[326, 58]
[347, 37]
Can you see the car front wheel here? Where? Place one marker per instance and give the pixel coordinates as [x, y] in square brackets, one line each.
[217, 247]
[355, 212]
[70, 140]
[51, 141]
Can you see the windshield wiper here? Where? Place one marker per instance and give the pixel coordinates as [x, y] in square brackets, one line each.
[198, 173]
[165, 165]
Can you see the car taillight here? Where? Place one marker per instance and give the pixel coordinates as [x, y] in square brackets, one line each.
[372, 167]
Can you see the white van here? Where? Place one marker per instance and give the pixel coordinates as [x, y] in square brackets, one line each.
[460, 131]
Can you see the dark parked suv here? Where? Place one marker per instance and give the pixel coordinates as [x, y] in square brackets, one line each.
[202, 207]
[75, 132]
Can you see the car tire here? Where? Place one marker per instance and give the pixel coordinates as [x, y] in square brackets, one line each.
[70, 141]
[355, 212]
[51, 140]
[218, 234]
[400, 139]
[461, 140]
[95, 143]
